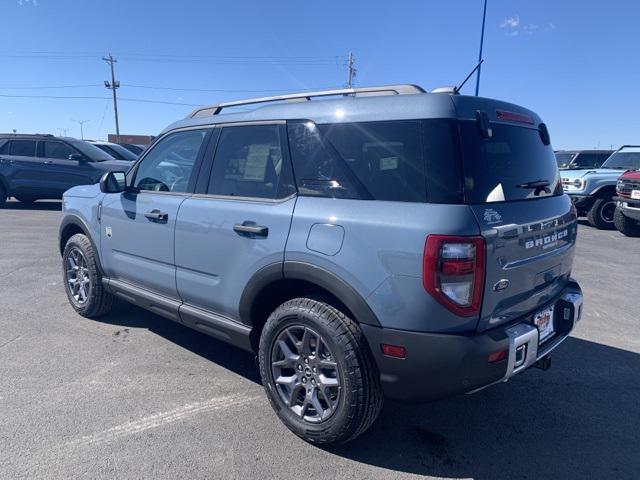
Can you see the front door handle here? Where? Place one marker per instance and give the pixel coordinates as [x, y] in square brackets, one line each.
[157, 216]
[251, 228]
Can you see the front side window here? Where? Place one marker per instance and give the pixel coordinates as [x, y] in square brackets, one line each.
[169, 165]
[627, 158]
[57, 150]
[249, 163]
[23, 148]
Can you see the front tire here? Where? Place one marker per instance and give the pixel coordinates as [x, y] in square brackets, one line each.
[83, 280]
[318, 372]
[626, 225]
[601, 214]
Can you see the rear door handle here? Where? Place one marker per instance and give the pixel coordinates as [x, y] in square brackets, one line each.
[48, 162]
[251, 228]
[157, 216]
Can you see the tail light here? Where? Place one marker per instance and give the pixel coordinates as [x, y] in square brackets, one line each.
[453, 272]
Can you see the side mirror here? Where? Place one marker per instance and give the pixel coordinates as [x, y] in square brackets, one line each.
[113, 182]
[77, 157]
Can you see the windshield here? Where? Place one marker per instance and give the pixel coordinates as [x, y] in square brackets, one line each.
[92, 152]
[624, 160]
[564, 159]
[116, 151]
[514, 164]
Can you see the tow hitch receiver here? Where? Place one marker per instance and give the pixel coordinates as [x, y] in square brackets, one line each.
[544, 363]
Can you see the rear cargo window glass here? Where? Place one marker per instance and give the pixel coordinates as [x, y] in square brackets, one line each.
[23, 148]
[511, 165]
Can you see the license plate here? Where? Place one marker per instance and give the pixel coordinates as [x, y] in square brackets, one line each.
[635, 194]
[544, 321]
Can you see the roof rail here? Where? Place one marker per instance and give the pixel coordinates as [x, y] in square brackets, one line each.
[304, 96]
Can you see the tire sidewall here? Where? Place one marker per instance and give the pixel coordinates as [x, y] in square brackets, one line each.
[82, 243]
[595, 214]
[288, 315]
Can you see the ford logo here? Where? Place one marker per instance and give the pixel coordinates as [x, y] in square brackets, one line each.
[501, 285]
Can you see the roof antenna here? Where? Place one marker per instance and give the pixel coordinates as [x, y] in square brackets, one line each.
[457, 89]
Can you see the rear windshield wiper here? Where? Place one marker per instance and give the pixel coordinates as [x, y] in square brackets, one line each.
[538, 185]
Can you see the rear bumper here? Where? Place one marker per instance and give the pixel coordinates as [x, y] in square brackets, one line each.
[630, 208]
[441, 365]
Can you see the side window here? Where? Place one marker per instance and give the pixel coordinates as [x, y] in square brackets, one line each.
[23, 148]
[57, 150]
[249, 163]
[318, 168]
[4, 147]
[168, 167]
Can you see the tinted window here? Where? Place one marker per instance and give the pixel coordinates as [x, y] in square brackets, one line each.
[168, 166]
[4, 147]
[589, 160]
[117, 152]
[627, 159]
[498, 168]
[24, 148]
[249, 163]
[564, 159]
[90, 151]
[57, 150]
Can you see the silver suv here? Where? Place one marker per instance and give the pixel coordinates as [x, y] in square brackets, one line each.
[382, 241]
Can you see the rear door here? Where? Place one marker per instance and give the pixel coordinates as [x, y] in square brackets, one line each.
[513, 186]
[27, 168]
[138, 226]
[239, 220]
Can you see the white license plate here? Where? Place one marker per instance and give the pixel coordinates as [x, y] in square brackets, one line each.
[544, 321]
[635, 194]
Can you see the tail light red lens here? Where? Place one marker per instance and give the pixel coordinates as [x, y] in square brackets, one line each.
[453, 272]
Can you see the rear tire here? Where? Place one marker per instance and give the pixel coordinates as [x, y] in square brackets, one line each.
[601, 214]
[320, 403]
[626, 225]
[83, 280]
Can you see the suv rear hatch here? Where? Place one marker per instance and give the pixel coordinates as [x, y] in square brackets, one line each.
[512, 184]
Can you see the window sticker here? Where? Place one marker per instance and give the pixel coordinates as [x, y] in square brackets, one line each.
[256, 163]
[389, 163]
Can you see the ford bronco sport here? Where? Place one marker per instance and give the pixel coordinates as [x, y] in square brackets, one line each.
[386, 242]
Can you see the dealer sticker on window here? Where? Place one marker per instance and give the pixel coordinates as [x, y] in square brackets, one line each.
[544, 321]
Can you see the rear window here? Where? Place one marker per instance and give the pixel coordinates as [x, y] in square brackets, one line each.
[511, 165]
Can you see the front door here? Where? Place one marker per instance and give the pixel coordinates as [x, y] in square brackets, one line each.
[240, 221]
[61, 173]
[138, 226]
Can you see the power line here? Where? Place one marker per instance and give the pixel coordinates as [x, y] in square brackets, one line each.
[90, 97]
[153, 87]
[51, 87]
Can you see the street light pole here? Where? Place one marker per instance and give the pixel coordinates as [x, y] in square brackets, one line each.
[113, 86]
[81, 123]
[484, 17]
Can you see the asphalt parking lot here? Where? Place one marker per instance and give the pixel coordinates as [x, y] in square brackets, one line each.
[136, 396]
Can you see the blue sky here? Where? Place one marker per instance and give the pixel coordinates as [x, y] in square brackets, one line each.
[574, 62]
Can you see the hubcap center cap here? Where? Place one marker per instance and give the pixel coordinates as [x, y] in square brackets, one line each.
[308, 372]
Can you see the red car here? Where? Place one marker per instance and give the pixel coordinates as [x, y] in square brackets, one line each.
[627, 215]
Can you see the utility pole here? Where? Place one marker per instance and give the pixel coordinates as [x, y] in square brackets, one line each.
[63, 131]
[484, 17]
[352, 70]
[81, 123]
[113, 86]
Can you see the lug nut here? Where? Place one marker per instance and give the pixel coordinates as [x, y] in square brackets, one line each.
[306, 360]
[314, 370]
[299, 367]
[313, 382]
[304, 379]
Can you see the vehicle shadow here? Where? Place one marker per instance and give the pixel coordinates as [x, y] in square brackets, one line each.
[223, 354]
[38, 205]
[581, 419]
